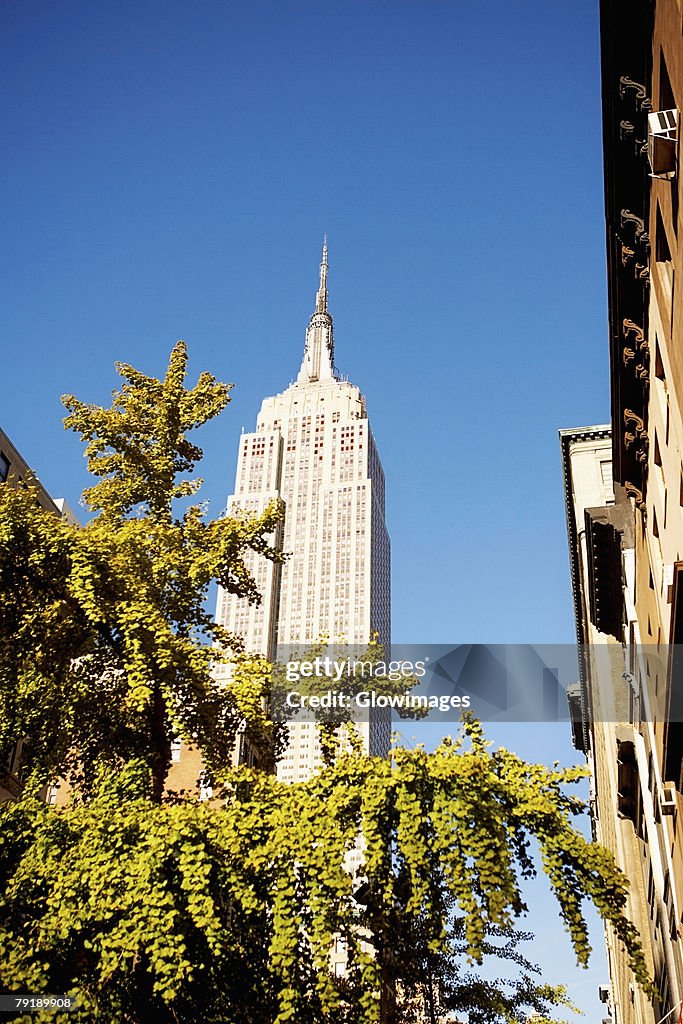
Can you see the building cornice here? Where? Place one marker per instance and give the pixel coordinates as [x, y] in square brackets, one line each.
[626, 47]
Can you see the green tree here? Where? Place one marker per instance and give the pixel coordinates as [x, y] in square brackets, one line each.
[157, 909]
[185, 912]
[505, 1000]
[433, 982]
[105, 642]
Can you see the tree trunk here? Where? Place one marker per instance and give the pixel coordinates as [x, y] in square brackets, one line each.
[160, 742]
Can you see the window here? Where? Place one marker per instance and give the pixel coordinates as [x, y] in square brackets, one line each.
[659, 365]
[667, 100]
[606, 472]
[657, 454]
[4, 467]
[662, 250]
[663, 258]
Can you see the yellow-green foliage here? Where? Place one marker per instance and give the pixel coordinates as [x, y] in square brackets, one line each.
[105, 642]
[185, 912]
[157, 910]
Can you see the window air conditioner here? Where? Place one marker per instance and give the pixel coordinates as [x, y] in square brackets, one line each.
[668, 798]
[662, 142]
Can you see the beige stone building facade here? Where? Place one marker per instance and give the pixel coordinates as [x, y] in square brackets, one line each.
[633, 550]
[603, 702]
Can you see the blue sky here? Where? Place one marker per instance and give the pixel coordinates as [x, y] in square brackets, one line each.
[169, 172]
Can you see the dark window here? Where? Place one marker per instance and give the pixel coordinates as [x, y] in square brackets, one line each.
[662, 250]
[4, 467]
[667, 100]
[659, 365]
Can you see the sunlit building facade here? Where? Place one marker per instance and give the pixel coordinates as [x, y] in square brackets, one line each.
[603, 702]
[634, 554]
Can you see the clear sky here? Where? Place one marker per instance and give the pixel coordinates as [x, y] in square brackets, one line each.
[169, 171]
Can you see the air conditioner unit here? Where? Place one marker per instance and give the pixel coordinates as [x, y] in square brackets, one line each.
[603, 993]
[668, 798]
[662, 142]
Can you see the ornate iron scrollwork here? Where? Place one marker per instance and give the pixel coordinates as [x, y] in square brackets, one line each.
[627, 254]
[638, 224]
[632, 418]
[638, 252]
[636, 438]
[640, 369]
[641, 270]
[627, 130]
[634, 492]
[629, 328]
[636, 336]
[626, 84]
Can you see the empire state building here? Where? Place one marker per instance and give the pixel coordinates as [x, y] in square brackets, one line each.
[313, 448]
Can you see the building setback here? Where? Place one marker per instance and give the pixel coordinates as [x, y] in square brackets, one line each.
[314, 450]
[632, 552]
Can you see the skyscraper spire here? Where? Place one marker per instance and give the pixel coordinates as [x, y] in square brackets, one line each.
[321, 297]
[318, 361]
[313, 449]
